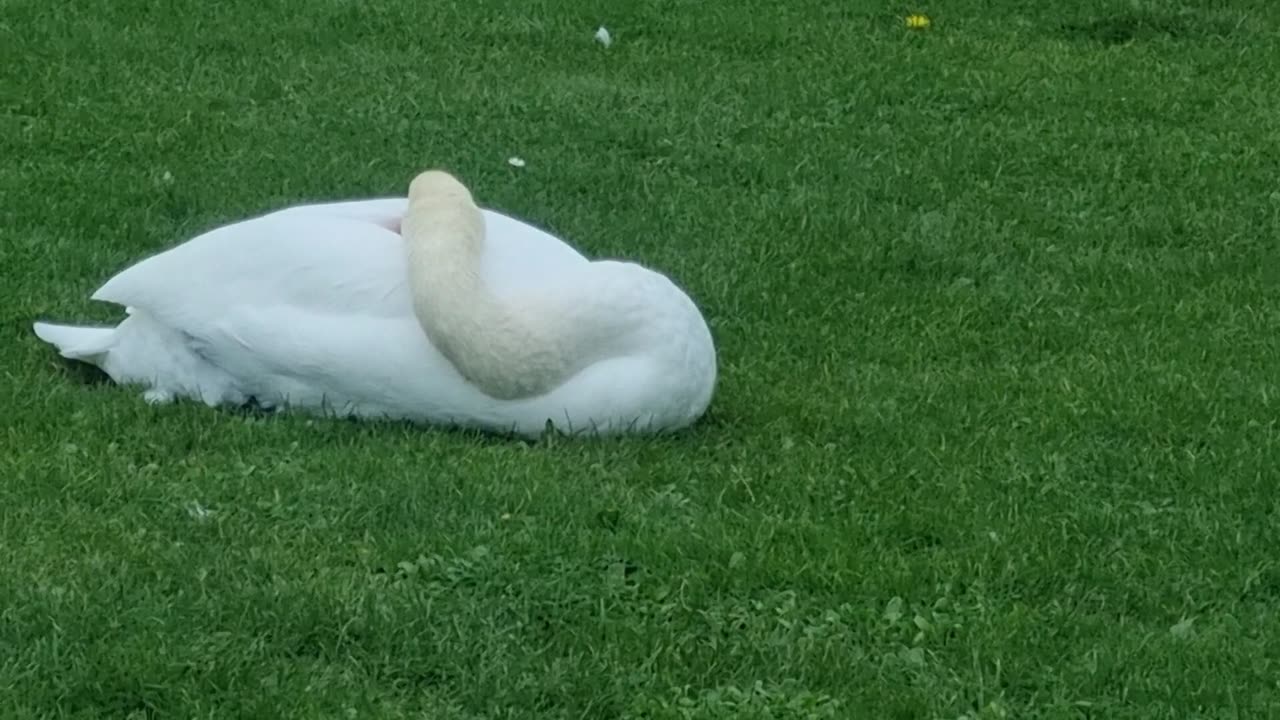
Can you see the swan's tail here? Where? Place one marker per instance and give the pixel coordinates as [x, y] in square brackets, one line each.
[142, 351]
[89, 344]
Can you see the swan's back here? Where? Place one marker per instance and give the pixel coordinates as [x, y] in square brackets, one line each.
[336, 257]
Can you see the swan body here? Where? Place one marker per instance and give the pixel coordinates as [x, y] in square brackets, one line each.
[426, 308]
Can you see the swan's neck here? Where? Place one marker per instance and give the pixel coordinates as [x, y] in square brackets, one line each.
[506, 351]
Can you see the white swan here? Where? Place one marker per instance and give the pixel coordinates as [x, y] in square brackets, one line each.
[428, 309]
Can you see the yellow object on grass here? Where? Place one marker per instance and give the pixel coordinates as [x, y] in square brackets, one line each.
[917, 22]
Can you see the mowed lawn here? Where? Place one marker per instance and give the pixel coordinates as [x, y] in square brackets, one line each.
[997, 313]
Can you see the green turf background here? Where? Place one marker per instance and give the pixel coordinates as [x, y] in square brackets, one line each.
[996, 309]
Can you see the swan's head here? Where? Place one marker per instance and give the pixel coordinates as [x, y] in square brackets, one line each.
[435, 186]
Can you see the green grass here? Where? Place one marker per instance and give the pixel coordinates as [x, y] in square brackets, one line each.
[997, 312]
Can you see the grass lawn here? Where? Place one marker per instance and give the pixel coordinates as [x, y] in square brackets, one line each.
[997, 312]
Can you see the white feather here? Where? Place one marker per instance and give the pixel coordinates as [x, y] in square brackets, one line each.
[313, 307]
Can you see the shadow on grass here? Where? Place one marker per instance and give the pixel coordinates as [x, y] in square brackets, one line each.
[86, 373]
[82, 372]
[1140, 26]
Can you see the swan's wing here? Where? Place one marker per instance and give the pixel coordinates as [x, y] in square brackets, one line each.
[290, 355]
[519, 256]
[384, 212]
[518, 251]
[344, 255]
[326, 264]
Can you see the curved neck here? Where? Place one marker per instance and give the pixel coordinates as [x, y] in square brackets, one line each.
[507, 351]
